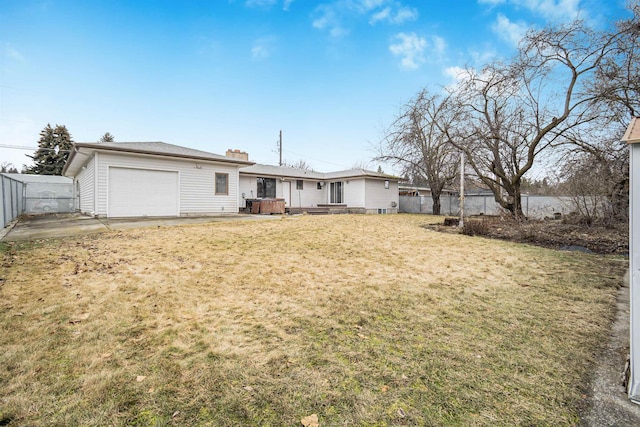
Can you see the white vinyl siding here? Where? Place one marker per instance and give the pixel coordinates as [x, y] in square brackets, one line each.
[309, 196]
[196, 183]
[247, 189]
[354, 193]
[378, 197]
[142, 192]
[85, 183]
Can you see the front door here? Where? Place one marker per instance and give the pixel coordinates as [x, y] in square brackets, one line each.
[286, 192]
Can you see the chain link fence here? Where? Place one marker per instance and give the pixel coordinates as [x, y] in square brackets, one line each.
[532, 206]
[33, 194]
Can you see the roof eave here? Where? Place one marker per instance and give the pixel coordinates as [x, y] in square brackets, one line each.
[222, 159]
[632, 134]
[99, 147]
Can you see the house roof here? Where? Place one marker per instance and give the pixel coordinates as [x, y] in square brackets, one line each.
[287, 172]
[30, 178]
[357, 173]
[632, 135]
[280, 171]
[74, 164]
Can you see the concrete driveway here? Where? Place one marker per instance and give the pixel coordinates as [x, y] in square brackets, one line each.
[33, 227]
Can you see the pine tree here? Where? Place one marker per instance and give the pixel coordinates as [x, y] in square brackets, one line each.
[53, 150]
[107, 137]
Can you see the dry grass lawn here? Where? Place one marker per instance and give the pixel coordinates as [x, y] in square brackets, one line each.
[363, 320]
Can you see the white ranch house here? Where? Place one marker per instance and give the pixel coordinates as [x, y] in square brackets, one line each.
[136, 179]
[355, 190]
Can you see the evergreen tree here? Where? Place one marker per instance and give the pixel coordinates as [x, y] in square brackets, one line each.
[53, 150]
[107, 137]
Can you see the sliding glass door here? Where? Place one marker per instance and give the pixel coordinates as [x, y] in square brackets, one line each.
[336, 192]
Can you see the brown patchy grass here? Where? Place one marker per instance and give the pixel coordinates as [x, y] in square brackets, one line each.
[364, 320]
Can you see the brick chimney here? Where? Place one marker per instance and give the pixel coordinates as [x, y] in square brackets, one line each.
[237, 154]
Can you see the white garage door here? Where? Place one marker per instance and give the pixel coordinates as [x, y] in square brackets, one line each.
[140, 192]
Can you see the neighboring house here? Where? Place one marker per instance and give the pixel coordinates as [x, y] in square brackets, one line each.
[129, 179]
[355, 191]
[408, 189]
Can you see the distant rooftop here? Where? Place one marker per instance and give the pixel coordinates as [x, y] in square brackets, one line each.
[49, 179]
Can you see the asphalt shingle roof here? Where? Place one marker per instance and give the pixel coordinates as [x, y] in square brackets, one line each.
[157, 148]
[632, 135]
[283, 171]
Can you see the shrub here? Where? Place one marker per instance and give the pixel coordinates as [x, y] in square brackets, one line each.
[475, 228]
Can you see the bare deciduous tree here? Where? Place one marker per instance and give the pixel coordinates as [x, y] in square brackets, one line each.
[520, 109]
[8, 167]
[617, 80]
[417, 142]
[616, 87]
[300, 164]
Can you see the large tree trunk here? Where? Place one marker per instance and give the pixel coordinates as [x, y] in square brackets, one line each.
[513, 203]
[436, 203]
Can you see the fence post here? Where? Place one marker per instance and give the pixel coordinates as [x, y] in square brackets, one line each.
[4, 210]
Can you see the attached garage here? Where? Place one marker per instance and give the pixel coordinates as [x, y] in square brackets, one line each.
[142, 192]
[138, 179]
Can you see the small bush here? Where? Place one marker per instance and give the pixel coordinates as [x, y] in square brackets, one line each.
[577, 219]
[475, 228]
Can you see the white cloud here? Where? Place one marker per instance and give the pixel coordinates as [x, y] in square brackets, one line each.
[486, 56]
[331, 16]
[370, 4]
[456, 73]
[394, 16]
[329, 20]
[511, 32]
[414, 50]
[439, 46]
[491, 2]
[262, 48]
[260, 3]
[557, 10]
[286, 4]
[459, 77]
[11, 53]
[405, 14]
[381, 15]
[553, 10]
[410, 48]
[267, 4]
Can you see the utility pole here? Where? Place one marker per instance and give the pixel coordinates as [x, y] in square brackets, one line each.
[280, 147]
[461, 222]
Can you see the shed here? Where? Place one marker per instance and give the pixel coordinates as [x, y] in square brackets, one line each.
[632, 137]
[139, 179]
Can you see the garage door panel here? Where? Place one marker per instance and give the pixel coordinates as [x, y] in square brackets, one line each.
[142, 192]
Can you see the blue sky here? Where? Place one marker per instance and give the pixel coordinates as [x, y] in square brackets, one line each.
[222, 74]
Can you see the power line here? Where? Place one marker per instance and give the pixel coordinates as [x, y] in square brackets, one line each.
[315, 159]
[22, 147]
[17, 147]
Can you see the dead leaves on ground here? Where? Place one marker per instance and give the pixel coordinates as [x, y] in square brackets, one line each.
[310, 421]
